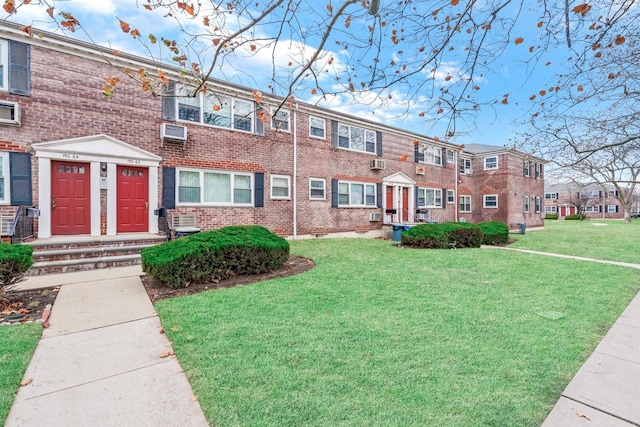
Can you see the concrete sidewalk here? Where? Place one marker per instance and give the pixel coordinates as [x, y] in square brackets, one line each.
[101, 363]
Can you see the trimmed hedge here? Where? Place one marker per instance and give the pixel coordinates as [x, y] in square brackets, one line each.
[15, 260]
[495, 233]
[443, 236]
[551, 216]
[215, 255]
[575, 217]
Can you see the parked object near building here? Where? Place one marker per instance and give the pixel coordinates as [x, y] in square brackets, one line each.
[99, 167]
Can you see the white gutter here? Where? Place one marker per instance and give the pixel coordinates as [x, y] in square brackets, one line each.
[295, 172]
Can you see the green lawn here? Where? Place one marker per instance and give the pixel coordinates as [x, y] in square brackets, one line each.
[613, 241]
[380, 336]
[17, 344]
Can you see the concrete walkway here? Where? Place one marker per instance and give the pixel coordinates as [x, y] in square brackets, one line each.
[103, 361]
[605, 392]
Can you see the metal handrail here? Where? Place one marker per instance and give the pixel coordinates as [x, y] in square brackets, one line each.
[164, 224]
[22, 227]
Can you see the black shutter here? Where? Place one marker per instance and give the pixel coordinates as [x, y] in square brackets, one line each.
[19, 74]
[443, 153]
[334, 193]
[20, 179]
[169, 103]
[334, 134]
[617, 208]
[415, 197]
[379, 194]
[169, 187]
[259, 194]
[259, 124]
[417, 155]
[444, 198]
[379, 143]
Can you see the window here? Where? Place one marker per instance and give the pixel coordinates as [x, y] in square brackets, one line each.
[280, 119]
[451, 196]
[358, 139]
[550, 209]
[4, 68]
[433, 155]
[429, 197]
[356, 194]
[465, 166]
[592, 209]
[538, 204]
[465, 203]
[491, 162]
[317, 127]
[526, 168]
[450, 156]
[280, 186]
[612, 208]
[215, 110]
[538, 170]
[550, 195]
[4, 179]
[491, 201]
[214, 188]
[612, 193]
[589, 194]
[527, 205]
[317, 188]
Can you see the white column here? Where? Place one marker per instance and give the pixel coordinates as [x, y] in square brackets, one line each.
[112, 198]
[153, 198]
[44, 197]
[95, 198]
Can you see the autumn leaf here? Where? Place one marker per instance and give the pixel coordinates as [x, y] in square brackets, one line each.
[455, 2]
[152, 39]
[253, 47]
[436, 139]
[26, 382]
[347, 22]
[580, 88]
[486, 27]
[135, 33]
[532, 97]
[505, 101]
[216, 108]
[205, 21]
[519, 40]
[9, 7]
[542, 92]
[440, 111]
[421, 114]
[540, 24]
[190, 10]
[146, 6]
[448, 77]
[611, 76]
[166, 353]
[531, 49]
[582, 415]
[163, 77]
[216, 42]
[27, 29]
[620, 40]
[125, 27]
[313, 91]
[50, 11]
[582, 9]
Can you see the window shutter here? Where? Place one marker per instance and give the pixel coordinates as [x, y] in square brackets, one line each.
[557, 196]
[617, 207]
[334, 193]
[443, 153]
[20, 178]
[258, 178]
[444, 198]
[19, 73]
[379, 194]
[259, 124]
[600, 194]
[169, 103]
[334, 134]
[379, 143]
[417, 155]
[415, 197]
[169, 187]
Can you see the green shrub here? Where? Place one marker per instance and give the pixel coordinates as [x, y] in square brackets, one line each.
[551, 216]
[215, 255]
[495, 233]
[15, 260]
[574, 217]
[443, 236]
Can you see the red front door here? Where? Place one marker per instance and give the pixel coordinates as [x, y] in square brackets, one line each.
[133, 202]
[70, 198]
[405, 204]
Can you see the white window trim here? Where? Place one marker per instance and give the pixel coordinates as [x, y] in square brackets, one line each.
[464, 166]
[435, 198]
[375, 140]
[274, 119]
[609, 210]
[324, 128]
[364, 184]
[4, 60]
[216, 204]
[452, 192]
[490, 168]
[527, 204]
[552, 196]
[288, 196]
[434, 148]
[526, 168]
[452, 158]
[201, 119]
[324, 189]
[459, 203]
[484, 201]
[550, 209]
[592, 209]
[7, 179]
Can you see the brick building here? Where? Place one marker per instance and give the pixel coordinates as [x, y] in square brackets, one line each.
[97, 166]
[596, 201]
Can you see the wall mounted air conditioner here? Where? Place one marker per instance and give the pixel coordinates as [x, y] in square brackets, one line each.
[468, 171]
[420, 170]
[375, 216]
[171, 132]
[376, 164]
[9, 113]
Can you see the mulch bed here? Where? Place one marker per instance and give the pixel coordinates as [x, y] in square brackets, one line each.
[26, 306]
[156, 291]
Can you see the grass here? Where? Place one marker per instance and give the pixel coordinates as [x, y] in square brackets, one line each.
[377, 335]
[18, 344]
[615, 241]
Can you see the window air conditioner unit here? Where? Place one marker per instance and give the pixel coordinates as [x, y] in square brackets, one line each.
[376, 164]
[420, 170]
[374, 216]
[9, 113]
[422, 216]
[468, 171]
[173, 132]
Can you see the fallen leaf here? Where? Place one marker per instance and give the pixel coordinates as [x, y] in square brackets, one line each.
[582, 415]
[162, 331]
[166, 353]
[26, 382]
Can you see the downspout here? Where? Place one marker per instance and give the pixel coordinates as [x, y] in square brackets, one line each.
[456, 171]
[295, 172]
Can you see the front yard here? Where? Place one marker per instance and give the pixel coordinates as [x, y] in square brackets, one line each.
[377, 335]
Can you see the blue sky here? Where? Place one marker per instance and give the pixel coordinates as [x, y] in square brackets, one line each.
[494, 124]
